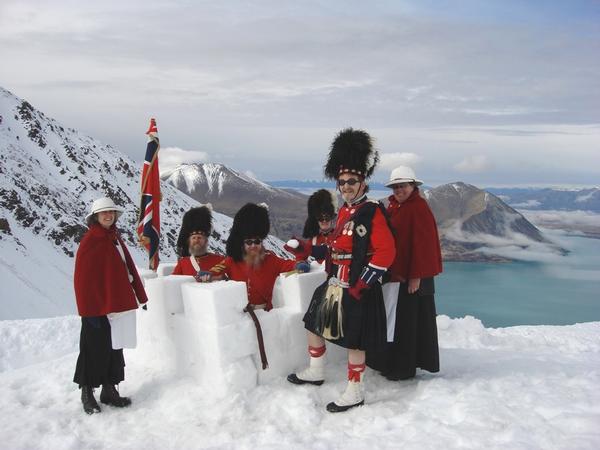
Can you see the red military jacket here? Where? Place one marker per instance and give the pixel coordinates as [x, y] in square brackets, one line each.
[381, 243]
[259, 281]
[206, 262]
[101, 277]
[418, 253]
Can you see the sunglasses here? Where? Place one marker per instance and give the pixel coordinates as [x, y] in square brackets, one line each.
[350, 182]
[250, 242]
[401, 185]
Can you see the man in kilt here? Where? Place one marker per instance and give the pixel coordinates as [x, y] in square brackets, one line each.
[348, 309]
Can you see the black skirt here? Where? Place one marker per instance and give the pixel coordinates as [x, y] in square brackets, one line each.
[363, 322]
[415, 336]
[98, 363]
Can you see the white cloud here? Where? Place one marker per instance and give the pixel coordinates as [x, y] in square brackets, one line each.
[511, 244]
[473, 164]
[391, 160]
[526, 204]
[576, 218]
[250, 174]
[171, 157]
[389, 69]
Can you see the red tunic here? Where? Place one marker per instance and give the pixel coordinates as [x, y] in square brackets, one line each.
[260, 281]
[418, 253]
[206, 262]
[101, 277]
[381, 243]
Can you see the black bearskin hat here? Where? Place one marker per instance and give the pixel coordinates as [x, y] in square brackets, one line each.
[319, 204]
[196, 219]
[351, 152]
[251, 221]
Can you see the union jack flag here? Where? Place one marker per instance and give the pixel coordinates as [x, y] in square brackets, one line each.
[148, 228]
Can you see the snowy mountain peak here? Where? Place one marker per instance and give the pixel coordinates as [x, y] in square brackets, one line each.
[212, 178]
[49, 176]
[228, 190]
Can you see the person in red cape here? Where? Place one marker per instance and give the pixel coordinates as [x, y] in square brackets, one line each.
[348, 308]
[418, 260]
[192, 243]
[106, 283]
[248, 261]
[317, 228]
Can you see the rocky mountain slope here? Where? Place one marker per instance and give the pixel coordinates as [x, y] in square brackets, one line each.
[228, 190]
[475, 225]
[49, 176]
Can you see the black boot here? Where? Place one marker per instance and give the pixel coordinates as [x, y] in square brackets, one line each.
[90, 406]
[110, 396]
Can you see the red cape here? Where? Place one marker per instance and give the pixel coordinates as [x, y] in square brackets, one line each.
[418, 253]
[101, 282]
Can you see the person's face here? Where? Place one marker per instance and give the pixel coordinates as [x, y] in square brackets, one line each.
[107, 218]
[351, 186]
[325, 223]
[402, 191]
[197, 244]
[253, 246]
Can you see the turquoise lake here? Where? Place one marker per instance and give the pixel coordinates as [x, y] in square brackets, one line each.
[562, 291]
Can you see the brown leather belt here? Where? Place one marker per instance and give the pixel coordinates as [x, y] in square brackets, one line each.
[261, 344]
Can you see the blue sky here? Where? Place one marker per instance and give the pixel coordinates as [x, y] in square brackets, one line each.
[487, 92]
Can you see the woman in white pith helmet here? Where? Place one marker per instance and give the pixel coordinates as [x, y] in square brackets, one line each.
[107, 289]
[418, 259]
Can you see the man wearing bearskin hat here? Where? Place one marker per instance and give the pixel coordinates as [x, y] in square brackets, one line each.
[192, 243]
[317, 228]
[248, 261]
[348, 308]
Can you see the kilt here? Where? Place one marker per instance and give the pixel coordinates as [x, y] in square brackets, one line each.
[363, 322]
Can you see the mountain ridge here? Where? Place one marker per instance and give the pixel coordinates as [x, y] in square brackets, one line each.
[49, 176]
[228, 190]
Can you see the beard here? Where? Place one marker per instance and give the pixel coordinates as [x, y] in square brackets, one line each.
[197, 250]
[255, 259]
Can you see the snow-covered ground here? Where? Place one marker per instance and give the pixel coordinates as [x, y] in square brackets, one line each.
[517, 388]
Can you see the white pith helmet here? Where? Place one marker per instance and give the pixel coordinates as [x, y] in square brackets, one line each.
[403, 174]
[103, 204]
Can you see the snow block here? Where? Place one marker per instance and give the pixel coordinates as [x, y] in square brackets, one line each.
[224, 345]
[295, 291]
[146, 274]
[168, 290]
[200, 330]
[220, 303]
[165, 269]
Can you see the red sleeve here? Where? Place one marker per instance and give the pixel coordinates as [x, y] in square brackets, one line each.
[211, 261]
[286, 265]
[87, 293]
[223, 268]
[425, 254]
[177, 270]
[382, 242]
